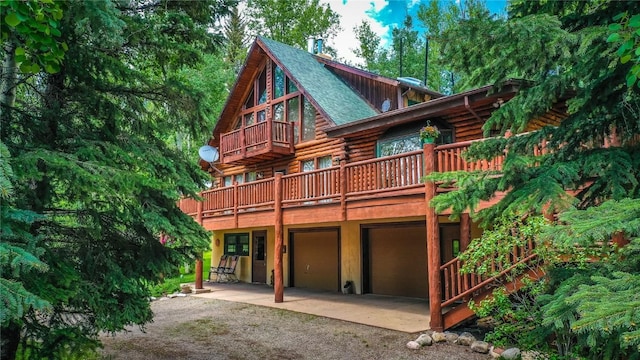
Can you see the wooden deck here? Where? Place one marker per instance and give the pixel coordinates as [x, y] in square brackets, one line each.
[370, 189]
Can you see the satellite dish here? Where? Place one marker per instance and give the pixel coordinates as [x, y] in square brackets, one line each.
[386, 105]
[209, 154]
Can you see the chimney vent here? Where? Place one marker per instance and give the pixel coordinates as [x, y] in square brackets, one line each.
[311, 44]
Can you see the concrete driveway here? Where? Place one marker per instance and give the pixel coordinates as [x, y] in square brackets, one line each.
[396, 313]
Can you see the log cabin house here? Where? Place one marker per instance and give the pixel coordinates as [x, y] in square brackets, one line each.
[319, 180]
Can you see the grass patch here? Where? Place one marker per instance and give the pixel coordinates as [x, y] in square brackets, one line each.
[172, 284]
[200, 330]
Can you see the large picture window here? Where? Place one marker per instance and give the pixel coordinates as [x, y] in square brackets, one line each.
[406, 138]
[236, 244]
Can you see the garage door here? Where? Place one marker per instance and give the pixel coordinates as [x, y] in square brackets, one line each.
[397, 261]
[315, 260]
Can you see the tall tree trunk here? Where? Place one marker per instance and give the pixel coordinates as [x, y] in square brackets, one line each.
[9, 341]
[9, 78]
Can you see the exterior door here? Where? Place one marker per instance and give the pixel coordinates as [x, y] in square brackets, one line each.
[259, 258]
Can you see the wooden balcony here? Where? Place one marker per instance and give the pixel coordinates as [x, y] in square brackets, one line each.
[258, 142]
[349, 191]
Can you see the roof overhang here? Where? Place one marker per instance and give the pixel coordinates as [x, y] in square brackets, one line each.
[443, 106]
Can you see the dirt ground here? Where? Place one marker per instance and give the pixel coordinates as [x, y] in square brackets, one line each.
[197, 328]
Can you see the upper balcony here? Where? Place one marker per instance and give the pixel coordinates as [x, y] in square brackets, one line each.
[258, 142]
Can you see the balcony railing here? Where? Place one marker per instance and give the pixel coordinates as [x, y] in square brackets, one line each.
[257, 139]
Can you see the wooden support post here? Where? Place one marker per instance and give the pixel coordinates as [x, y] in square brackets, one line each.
[278, 286]
[343, 189]
[465, 231]
[619, 239]
[270, 133]
[292, 138]
[199, 259]
[433, 243]
[243, 143]
[199, 272]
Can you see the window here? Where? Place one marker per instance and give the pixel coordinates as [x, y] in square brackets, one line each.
[308, 122]
[405, 138]
[286, 104]
[278, 81]
[262, 88]
[398, 145]
[236, 244]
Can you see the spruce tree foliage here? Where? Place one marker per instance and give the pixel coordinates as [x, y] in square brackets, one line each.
[95, 179]
[236, 40]
[293, 21]
[567, 55]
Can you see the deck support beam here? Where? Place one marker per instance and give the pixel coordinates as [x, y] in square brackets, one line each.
[199, 259]
[433, 243]
[278, 286]
[465, 231]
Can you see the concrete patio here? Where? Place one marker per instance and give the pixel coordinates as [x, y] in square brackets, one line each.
[401, 314]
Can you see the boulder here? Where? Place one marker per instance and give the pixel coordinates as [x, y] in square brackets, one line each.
[413, 345]
[480, 347]
[451, 337]
[465, 339]
[438, 337]
[424, 340]
[511, 354]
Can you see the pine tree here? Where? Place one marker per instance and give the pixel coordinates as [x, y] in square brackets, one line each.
[561, 49]
[236, 40]
[96, 179]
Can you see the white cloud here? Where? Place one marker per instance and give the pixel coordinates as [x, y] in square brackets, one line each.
[352, 12]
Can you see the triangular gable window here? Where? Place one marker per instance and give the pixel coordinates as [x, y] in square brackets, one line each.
[287, 104]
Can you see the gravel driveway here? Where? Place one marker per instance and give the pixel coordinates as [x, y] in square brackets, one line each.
[197, 328]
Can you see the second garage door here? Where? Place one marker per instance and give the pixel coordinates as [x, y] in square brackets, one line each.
[396, 261]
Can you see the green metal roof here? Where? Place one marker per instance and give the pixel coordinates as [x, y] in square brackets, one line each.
[335, 98]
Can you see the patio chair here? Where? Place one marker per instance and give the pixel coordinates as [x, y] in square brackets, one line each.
[229, 272]
[219, 270]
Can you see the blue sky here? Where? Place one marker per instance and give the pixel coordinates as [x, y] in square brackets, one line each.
[383, 15]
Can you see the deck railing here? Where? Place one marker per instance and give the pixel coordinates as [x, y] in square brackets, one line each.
[383, 176]
[256, 137]
[449, 158]
[457, 286]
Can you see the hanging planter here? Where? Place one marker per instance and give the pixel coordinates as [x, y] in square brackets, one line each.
[429, 133]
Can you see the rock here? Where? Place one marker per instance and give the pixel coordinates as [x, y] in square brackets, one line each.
[424, 340]
[181, 295]
[480, 347]
[171, 296]
[413, 345]
[533, 355]
[465, 339]
[495, 352]
[511, 354]
[438, 337]
[451, 337]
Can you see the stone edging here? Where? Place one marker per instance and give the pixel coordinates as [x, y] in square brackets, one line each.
[466, 339]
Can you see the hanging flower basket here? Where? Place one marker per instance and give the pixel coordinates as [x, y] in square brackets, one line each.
[429, 133]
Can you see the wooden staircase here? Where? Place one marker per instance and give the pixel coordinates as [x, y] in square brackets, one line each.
[459, 289]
